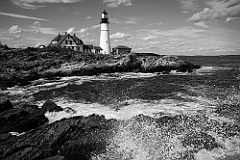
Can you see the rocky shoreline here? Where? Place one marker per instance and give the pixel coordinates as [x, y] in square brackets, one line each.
[20, 66]
[26, 133]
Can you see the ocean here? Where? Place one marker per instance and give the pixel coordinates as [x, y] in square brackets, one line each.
[201, 109]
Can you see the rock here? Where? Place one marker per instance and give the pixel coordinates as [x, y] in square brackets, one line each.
[24, 69]
[4, 137]
[24, 83]
[22, 119]
[70, 110]
[50, 106]
[5, 104]
[75, 138]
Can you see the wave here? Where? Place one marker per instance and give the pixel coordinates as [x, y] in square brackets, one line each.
[211, 68]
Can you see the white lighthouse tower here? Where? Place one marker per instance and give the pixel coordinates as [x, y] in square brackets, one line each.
[104, 37]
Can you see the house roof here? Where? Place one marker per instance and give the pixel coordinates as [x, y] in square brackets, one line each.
[97, 47]
[122, 47]
[60, 38]
[76, 39]
[88, 46]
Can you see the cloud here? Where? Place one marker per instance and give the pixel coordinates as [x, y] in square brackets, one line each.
[125, 20]
[15, 30]
[28, 4]
[201, 24]
[194, 5]
[49, 30]
[151, 24]
[115, 20]
[22, 16]
[218, 10]
[209, 14]
[150, 37]
[120, 35]
[233, 19]
[37, 28]
[93, 27]
[88, 17]
[83, 30]
[188, 32]
[70, 30]
[36, 23]
[132, 20]
[13, 34]
[117, 3]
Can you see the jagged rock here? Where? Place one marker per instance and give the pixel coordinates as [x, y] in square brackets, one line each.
[50, 106]
[75, 138]
[5, 104]
[22, 119]
[23, 70]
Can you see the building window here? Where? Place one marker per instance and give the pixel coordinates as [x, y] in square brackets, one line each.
[72, 47]
[66, 42]
[70, 42]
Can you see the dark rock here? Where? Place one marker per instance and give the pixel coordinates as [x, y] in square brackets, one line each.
[3, 87]
[75, 138]
[70, 110]
[51, 106]
[21, 120]
[4, 137]
[5, 104]
[24, 83]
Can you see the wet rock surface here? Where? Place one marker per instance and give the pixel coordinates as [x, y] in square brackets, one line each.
[22, 119]
[74, 138]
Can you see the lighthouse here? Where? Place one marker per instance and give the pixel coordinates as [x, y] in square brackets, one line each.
[104, 36]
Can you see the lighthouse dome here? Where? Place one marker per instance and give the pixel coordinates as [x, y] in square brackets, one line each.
[104, 14]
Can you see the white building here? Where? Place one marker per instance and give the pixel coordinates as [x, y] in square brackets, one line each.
[104, 36]
[67, 41]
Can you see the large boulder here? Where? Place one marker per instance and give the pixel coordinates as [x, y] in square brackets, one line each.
[51, 106]
[166, 64]
[129, 63]
[22, 119]
[75, 138]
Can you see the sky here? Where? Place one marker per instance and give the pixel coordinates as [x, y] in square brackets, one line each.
[170, 27]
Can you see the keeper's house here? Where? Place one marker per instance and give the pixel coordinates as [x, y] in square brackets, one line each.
[67, 41]
[92, 49]
[121, 49]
